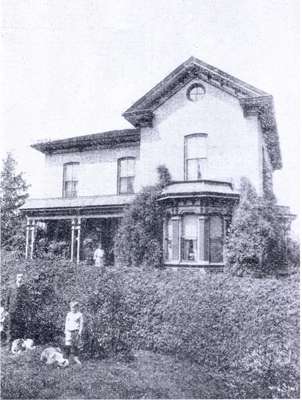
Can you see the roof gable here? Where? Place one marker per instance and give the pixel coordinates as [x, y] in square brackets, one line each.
[253, 101]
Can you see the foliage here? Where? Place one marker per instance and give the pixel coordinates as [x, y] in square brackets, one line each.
[13, 196]
[139, 238]
[244, 332]
[256, 239]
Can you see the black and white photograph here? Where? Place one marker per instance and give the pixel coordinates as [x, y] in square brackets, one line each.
[149, 193]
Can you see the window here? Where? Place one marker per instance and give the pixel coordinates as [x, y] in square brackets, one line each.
[70, 179]
[195, 156]
[189, 238]
[216, 239]
[196, 92]
[126, 175]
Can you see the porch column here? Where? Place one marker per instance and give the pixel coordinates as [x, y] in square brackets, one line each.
[75, 237]
[27, 237]
[32, 232]
[73, 222]
[78, 240]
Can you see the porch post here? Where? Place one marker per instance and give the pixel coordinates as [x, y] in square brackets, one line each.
[32, 238]
[72, 240]
[27, 237]
[78, 240]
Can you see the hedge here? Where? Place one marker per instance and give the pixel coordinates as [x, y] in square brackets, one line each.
[244, 331]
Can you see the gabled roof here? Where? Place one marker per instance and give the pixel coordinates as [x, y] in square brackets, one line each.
[97, 140]
[253, 101]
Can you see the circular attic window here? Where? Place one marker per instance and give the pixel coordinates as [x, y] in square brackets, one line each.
[196, 92]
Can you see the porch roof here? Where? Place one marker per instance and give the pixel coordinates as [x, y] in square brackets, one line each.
[76, 202]
[87, 142]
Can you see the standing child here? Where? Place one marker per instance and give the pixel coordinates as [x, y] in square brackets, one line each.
[73, 331]
[98, 256]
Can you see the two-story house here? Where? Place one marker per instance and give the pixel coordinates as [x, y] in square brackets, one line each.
[207, 127]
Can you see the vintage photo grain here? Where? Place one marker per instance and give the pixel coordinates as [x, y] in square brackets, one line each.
[149, 199]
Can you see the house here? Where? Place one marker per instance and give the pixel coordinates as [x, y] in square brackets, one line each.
[207, 127]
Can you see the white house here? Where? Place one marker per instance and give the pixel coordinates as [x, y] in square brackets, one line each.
[207, 127]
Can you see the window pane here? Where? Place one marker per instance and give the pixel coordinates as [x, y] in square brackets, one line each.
[70, 189]
[216, 227]
[189, 249]
[189, 237]
[123, 185]
[189, 226]
[175, 239]
[196, 169]
[123, 167]
[216, 239]
[131, 167]
[71, 171]
[168, 241]
[127, 167]
[196, 147]
[68, 172]
[130, 182]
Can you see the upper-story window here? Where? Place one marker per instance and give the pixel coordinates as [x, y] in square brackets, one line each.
[195, 156]
[70, 179]
[126, 175]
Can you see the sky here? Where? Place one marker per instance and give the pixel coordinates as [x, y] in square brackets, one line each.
[72, 67]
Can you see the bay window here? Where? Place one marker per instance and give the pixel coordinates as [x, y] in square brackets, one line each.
[196, 239]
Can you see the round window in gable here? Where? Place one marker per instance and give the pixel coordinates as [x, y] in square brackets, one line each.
[196, 92]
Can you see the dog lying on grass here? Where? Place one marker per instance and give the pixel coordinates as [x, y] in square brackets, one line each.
[54, 355]
[20, 345]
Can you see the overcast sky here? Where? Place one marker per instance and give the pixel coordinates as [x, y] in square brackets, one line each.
[71, 67]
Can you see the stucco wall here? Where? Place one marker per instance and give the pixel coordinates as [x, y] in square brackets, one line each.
[97, 171]
[234, 147]
[233, 140]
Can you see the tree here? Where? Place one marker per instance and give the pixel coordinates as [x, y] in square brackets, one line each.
[13, 195]
[256, 240]
[139, 238]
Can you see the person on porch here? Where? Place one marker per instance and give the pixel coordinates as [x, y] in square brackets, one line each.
[98, 256]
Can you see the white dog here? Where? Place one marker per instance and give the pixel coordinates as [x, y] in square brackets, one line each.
[20, 345]
[54, 355]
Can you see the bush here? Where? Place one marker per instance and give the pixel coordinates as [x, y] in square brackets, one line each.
[243, 331]
[139, 238]
[256, 239]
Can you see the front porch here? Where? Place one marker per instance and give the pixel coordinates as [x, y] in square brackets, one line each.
[81, 223]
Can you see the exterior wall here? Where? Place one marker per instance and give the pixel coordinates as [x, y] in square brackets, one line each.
[97, 171]
[234, 141]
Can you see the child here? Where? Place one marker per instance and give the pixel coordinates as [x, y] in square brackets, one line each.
[99, 256]
[73, 331]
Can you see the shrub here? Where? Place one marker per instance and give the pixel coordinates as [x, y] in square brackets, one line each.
[244, 332]
[139, 238]
[256, 239]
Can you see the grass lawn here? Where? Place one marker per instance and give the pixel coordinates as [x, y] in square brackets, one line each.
[148, 376]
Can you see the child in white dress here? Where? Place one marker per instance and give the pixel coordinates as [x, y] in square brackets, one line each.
[98, 256]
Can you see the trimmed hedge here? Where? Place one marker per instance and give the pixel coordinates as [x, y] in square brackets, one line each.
[244, 331]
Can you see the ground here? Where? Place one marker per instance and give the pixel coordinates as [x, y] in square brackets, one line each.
[149, 375]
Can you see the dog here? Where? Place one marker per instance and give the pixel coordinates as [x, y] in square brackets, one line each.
[20, 345]
[54, 355]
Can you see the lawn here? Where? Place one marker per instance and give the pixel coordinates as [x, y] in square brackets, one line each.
[149, 375]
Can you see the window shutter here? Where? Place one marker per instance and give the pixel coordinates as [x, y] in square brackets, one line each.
[175, 239]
